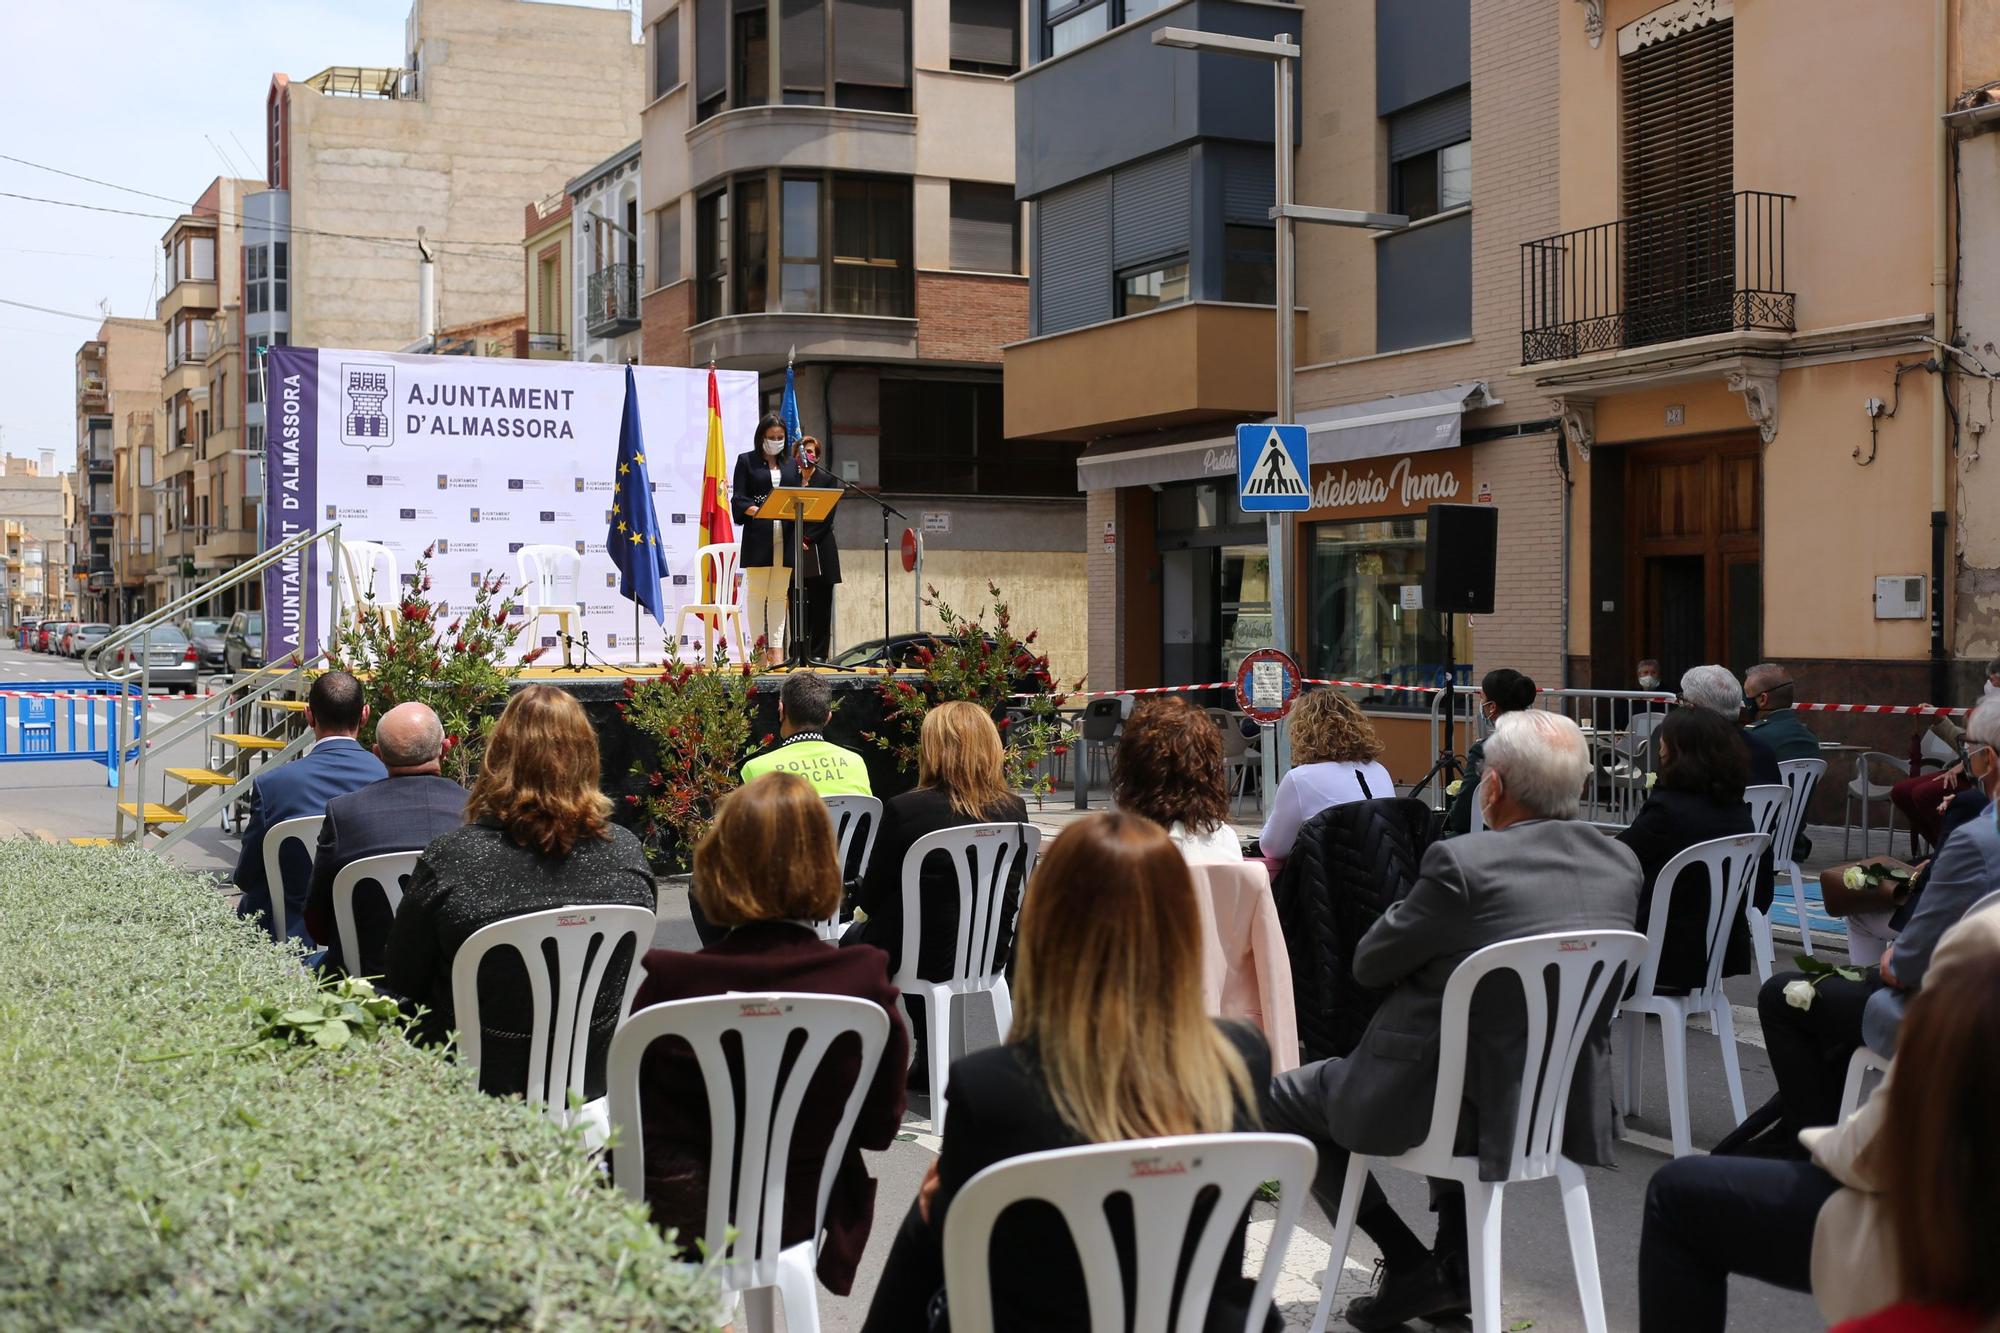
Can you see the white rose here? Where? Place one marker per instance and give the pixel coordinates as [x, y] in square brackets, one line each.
[1855, 877]
[1453, 788]
[1651, 778]
[1799, 994]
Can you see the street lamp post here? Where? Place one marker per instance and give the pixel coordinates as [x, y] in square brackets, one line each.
[1281, 528]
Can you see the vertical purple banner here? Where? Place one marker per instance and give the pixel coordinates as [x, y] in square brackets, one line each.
[291, 498]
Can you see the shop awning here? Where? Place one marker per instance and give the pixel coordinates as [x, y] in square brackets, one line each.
[1399, 424]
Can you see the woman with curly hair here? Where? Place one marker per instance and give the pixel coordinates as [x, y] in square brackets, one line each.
[1169, 769]
[1335, 759]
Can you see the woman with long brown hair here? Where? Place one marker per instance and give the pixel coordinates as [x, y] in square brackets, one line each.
[538, 835]
[1110, 1041]
[961, 779]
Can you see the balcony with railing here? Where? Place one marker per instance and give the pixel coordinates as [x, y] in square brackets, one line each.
[1706, 267]
[613, 300]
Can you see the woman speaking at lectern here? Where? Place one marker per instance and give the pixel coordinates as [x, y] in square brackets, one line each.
[767, 539]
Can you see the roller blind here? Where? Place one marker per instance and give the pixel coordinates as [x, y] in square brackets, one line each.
[983, 32]
[1248, 192]
[871, 43]
[1431, 125]
[711, 49]
[1150, 210]
[1679, 119]
[1073, 257]
[982, 228]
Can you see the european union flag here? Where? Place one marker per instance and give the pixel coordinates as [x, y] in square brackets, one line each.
[634, 539]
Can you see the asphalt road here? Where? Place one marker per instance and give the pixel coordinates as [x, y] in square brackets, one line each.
[64, 799]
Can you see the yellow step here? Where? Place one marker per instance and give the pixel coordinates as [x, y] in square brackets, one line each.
[249, 742]
[155, 814]
[93, 842]
[201, 777]
[285, 705]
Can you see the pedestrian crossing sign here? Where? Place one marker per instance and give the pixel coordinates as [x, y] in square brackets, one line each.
[1271, 468]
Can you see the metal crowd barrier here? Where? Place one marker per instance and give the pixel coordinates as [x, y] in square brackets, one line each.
[102, 721]
[1617, 724]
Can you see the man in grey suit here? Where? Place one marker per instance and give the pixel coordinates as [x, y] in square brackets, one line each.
[1537, 869]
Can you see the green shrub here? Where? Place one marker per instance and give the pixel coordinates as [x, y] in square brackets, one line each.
[266, 1186]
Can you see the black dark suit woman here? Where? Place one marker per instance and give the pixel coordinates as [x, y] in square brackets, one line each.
[821, 558]
[766, 544]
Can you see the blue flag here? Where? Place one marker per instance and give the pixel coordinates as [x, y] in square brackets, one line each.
[788, 412]
[634, 539]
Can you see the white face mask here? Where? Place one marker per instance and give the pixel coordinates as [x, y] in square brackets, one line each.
[774, 447]
[1649, 682]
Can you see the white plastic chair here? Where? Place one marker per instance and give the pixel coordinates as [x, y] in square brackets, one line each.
[367, 570]
[1731, 865]
[585, 938]
[1859, 1066]
[744, 1229]
[853, 817]
[1802, 777]
[304, 829]
[549, 577]
[391, 873]
[1590, 970]
[716, 563]
[1767, 810]
[1864, 788]
[1163, 1178]
[986, 858]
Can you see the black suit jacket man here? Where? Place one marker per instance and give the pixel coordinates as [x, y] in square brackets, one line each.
[397, 814]
[750, 484]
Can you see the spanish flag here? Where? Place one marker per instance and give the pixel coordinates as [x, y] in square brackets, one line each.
[715, 525]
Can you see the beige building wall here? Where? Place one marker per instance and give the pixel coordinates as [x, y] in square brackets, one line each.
[1976, 516]
[517, 98]
[135, 351]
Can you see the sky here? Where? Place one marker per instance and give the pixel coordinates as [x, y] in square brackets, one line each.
[156, 95]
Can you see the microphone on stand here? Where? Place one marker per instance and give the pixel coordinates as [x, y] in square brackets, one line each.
[583, 641]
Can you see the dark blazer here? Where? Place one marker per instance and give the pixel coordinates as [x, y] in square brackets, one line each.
[294, 790]
[772, 956]
[476, 875]
[820, 537]
[1966, 805]
[1000, 1109]
[750, 484]
[1763, 759]
[1787, 735]
[397, 814]
[1668, 824]
[905, 819]
[1458, 815]
[1528, 879]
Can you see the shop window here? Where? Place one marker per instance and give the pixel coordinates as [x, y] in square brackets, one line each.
[1140, 290]
[1356, 627]
[946, 437]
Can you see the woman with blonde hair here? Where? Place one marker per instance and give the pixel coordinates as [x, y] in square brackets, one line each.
[1110, 1041]
[767, 871]
[1336, 758]
[538, 835]
[961, 779]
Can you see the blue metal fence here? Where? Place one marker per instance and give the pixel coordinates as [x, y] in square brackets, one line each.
[103, 721]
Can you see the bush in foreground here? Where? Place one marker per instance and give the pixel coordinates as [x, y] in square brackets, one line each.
[265, 1186]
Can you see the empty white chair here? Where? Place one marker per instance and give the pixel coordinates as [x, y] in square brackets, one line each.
[391, 873]
[369, 580]
[1767, 810]
[986, 859]
[744, 1228]
[715, 568]
[549, 577]
[853, 817]
[1802, 778]
[1588, 971]
[585, 937]
[1868, 791]
[304, 829]
[1859, 1066]
[1730, 865]
[1163, 1178]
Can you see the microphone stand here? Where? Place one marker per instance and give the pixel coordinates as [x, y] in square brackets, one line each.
[583, 642]
[887, 509]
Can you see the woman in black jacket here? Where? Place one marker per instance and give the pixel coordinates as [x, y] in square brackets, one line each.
[821, 558]
[1698, 796]
[767, 542]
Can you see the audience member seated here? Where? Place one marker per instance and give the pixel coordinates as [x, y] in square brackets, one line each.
[1924, 797]
[1895, 1204]
[1992, 686]
[766, 871]
[1541, 870]
[1702, 772]
[1714, 689]
[1109, 1042]
[805, 706]
[1335, 758]
[1870, 931]
[961, 779]
[538, 836]
[334, 765]
[1810, 1046]
[1505, 691]
[1769, 692]
[401, 813]
[1648, 673]
[1168, 767]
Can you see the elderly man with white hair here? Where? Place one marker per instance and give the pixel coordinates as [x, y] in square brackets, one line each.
[1537, 869]
[1716, 689]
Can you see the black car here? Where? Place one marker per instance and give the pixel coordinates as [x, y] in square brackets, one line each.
[906, 652]
[243, 642]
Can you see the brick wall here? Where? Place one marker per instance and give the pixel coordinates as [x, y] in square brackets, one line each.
[664, 316]
[969, 316]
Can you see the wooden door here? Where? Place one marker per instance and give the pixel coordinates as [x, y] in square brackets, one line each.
[1694, 551]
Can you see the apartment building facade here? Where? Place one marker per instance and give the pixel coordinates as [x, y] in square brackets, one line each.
[607, 260]
[831, 182]
[1975, 330]
[118, 410]
[547, 275]
[37, 510]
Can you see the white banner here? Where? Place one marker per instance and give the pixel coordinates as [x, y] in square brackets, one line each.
[475, 458]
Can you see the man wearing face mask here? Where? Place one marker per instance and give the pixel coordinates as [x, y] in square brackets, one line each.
[766, 545]
[1649, 674]
[1767, 707]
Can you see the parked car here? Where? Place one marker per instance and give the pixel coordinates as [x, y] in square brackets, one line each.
[207, 635]
[69, 629]
[243, 642]
[25, 634]
[170, 662]
[85, 635]
[907, 652]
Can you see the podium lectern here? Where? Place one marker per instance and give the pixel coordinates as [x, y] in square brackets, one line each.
[798, 505]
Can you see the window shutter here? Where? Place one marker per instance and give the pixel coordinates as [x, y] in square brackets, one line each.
[1073, 256]
[667, 240]
[1431, 125]
[1151, 210]
[982, 32]
[982, 228]
[1248, 192]
[711, 49]
[802, 45]
[870, 43]
[1679, 119]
